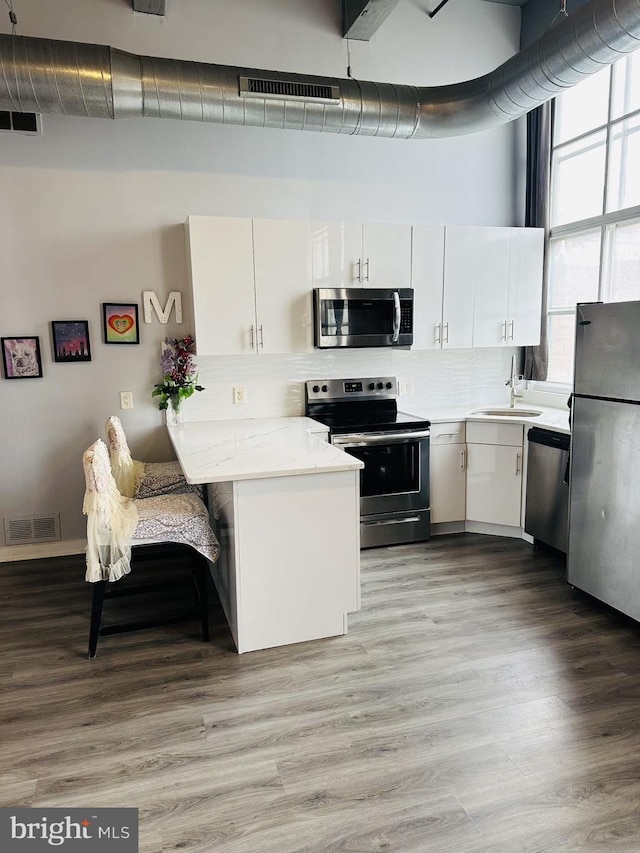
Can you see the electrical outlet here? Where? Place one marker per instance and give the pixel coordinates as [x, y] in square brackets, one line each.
[126, 399]
[405, 388]
[238, 396]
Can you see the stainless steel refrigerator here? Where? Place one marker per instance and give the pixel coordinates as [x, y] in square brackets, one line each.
[604, 514]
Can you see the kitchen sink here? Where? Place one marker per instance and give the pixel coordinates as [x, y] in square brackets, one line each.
[508, 413]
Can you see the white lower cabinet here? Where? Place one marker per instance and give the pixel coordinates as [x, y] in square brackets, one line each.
[494, 473]
[447, 472]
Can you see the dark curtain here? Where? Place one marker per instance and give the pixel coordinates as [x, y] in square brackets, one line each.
[539, 123]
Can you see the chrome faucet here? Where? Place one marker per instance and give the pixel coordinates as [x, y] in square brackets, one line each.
[513, 382]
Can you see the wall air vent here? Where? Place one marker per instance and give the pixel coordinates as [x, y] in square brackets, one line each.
[288, 89]
[28, 124]
[26, 530]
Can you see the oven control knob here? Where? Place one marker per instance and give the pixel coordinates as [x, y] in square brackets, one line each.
[316, 389]
[380, 385]
[372, 386]
[389, 385]
[325, 388]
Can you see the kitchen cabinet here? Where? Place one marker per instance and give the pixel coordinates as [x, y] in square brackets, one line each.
[354, 254]
[494, 473]
[282, 263]
[275, 493]
[443, 300]
[525, 286]
[251, 285]
[447, 472]
[505, 265]
[274, 588]
[476, 286]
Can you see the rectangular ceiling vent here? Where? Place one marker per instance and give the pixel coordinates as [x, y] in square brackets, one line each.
[289, 90]
[28, 124]
[29, 529]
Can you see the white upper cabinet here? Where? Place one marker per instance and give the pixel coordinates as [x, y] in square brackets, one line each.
[352, 254]
[427, 281]
[525, 286]
[284, 311]
[474, 286]
[458, 303]
[220, 256]
[387, 255]
[251, 285]
[487, 261]
[508, 286]
[336, 249]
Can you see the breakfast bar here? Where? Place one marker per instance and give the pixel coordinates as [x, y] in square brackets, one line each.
[285, 506]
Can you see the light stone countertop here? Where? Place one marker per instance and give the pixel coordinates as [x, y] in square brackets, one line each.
[550, 418]
[254, 448]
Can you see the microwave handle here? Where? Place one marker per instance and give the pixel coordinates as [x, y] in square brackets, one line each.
[396, 316]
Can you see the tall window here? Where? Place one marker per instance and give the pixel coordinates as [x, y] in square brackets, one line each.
[595, 202]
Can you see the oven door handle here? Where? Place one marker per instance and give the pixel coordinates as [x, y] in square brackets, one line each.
[378, 438]
[396, 316]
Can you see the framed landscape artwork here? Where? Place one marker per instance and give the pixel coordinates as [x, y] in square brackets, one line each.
[71, 340]
[120, 322]
[21, 357]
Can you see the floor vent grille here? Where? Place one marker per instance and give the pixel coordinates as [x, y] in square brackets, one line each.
[28, 529]
[28, 124]
[289, 89]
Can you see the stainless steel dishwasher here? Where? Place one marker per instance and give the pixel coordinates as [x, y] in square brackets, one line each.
[547, 510]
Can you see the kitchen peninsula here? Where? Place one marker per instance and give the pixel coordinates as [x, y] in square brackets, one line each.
[286, 510]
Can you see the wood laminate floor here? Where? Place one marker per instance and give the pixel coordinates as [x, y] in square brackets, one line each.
[477, 705]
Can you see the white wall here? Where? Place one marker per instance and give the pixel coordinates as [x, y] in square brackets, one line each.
[92, 211]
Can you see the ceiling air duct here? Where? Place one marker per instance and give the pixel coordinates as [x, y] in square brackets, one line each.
[47, 76]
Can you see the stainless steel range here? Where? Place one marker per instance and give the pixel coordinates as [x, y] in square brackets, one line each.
[363, 419]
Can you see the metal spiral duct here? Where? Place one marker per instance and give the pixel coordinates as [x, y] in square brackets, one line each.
[48, 76]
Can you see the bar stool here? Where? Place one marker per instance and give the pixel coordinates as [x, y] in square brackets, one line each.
[116, 523]
[137, 479]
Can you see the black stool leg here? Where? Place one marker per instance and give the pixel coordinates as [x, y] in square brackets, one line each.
[96, 616]
[201, 569]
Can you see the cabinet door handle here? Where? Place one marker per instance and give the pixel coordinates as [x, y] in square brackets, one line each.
[252, 339]
[446, 333]
[503, 330]
[366, 278]
[517, 464]
[261, 336]
[438, 339]
[462, 459]
[359, 265]
[512, 325]
[397, 316]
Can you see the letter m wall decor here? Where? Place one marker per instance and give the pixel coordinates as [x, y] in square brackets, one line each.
[150, 301]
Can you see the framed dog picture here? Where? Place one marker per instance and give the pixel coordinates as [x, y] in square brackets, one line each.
[120, 323]
[71, 340]
[21, 357]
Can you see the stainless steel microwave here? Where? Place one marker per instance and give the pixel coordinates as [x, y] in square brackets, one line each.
[363, 317]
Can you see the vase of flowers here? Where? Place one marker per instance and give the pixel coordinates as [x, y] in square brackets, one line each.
[179, 378]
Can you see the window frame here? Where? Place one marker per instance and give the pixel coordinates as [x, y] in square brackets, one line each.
[605, 222]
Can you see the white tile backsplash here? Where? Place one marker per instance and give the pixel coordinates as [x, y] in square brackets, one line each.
[274, 384]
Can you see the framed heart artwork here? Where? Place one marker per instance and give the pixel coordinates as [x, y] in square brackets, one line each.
[120, 323]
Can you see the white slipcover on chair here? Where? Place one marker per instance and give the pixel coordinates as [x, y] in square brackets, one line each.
[115, 523]
[137, 479]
